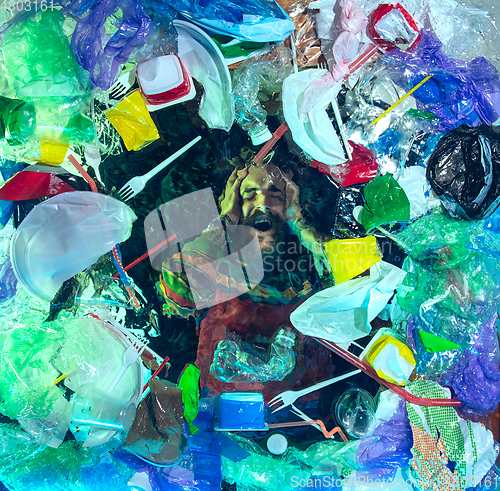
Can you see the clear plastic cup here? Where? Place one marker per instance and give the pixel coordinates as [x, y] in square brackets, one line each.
[94, 407]
[355, 411]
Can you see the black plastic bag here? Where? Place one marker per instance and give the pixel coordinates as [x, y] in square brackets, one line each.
[464, 171]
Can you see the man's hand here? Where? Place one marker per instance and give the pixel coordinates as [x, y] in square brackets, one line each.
[231, 201]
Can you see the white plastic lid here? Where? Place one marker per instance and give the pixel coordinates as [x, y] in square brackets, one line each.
[260, 137]
[277, 444]
[159, 75]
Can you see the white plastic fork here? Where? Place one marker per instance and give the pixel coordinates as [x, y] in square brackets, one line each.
[290, 396]
[121, 86]
[130, 356]
[137, 184]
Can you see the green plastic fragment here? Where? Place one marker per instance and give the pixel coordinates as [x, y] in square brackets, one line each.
[232, 49]
[436, 344]
[385, 201]
[79, 129]
[189, 383]
[419, 114]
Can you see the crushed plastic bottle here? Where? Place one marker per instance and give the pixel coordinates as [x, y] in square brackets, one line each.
[267, 68]
[232, 364]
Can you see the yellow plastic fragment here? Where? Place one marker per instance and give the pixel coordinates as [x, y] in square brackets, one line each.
[351, 257]
[132, 120]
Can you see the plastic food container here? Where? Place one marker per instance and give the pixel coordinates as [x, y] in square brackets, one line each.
[165, 81]
[241, 411]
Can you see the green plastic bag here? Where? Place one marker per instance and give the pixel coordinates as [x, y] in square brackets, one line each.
[39, 62]
[385, 201]
[189, 383]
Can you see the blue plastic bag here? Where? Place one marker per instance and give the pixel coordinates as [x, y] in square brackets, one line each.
[249, 20]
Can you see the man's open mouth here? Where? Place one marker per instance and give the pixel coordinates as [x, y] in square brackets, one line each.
[263, 223]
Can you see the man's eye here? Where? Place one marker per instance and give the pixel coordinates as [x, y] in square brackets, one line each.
[249, 196]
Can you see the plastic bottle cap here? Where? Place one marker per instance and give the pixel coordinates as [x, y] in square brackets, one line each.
[277, 444]
[260, 137]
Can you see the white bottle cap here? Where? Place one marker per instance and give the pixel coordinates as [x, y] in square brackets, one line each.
[260, 137]
[277, 444]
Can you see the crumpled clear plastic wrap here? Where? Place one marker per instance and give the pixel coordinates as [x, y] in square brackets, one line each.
[8, 280]
[262, 471]
[37, 353]
[27, 465]
[466, 30]
[393, 136]
[447, 270]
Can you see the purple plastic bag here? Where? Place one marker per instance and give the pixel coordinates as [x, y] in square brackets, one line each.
[102, 44]
[8, 281]
[458, 93]
[389, 448]
[475, 378]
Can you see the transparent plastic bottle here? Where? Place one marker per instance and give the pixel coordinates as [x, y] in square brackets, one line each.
[232, 364]
[268, 67]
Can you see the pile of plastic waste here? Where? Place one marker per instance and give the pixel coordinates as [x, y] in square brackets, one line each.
[249, 245]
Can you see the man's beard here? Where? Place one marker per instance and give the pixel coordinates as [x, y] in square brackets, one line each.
[269, 229]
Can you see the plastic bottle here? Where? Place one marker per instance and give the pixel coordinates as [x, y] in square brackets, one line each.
[232, 364]
[268, 67]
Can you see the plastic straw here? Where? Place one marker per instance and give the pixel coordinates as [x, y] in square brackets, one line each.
[368, 370]
[327, 434]
[294, 53]
[363, 58]
[399, 101]
[270, 144]
[144, 256]
[83, 172]
[164, 362]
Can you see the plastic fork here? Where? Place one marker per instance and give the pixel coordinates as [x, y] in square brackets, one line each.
[290, 396]
[137, 184]
[122, 85]
[130, 356]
